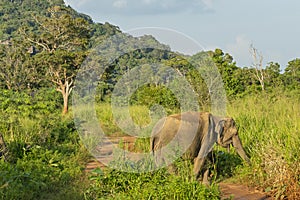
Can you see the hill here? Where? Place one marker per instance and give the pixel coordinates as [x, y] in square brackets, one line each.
[15, 14]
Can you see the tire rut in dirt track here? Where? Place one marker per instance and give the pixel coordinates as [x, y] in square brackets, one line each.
[106, 150]
[228, 190]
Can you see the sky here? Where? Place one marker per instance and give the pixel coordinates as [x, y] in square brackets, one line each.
[189, 26]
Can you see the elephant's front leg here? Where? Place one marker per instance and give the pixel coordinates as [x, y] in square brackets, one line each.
[201, 168]
[198, 165]
[205, 179]
[207, 165]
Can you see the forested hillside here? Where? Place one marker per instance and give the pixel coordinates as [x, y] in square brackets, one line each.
[36, 37]
[44, 43]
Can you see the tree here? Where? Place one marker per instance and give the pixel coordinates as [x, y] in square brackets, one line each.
[128, 52]
[258, 66]
[61, 43]
[179, 63]
[273, 76]
[16, 70]
[292, 74]
[228, 70]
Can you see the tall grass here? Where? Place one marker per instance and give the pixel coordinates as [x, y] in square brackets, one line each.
[45, 158]
[269, 126]
[141, 116]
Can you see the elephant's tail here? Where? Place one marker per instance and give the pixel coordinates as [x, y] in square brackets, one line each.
[155, 146]
[152, 144]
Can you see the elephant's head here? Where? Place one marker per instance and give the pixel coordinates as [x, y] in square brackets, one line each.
[228, 135]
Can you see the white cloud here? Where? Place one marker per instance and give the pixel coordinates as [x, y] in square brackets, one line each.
[120, 4]
[208, 3]
[149, 1]
[77, 3]
[240, 50]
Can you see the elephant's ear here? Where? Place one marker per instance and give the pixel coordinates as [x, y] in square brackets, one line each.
[219, 129]
[209, 139]
[207, 143]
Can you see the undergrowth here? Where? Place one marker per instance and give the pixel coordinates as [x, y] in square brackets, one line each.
[269, 126]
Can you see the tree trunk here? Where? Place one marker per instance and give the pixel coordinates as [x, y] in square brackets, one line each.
[258, 66]
[262, 86]
[65, 90]
[261, 79]
[3, 148]
[66, 99]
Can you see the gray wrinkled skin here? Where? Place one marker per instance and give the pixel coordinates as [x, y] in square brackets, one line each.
[195, 133]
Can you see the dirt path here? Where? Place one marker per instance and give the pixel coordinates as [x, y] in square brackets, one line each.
[228, 190]
[105, 152]
[241, 192]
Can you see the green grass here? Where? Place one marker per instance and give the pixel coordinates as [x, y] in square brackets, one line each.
[113, 184]
[45, 159]
[269, 126]
[137, 119]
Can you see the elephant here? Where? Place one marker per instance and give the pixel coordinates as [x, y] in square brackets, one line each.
[195, 133]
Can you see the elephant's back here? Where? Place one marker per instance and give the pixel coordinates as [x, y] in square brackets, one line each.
[185, 129]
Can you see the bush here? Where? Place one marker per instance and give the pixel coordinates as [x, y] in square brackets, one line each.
[45, 157]
[38, 174]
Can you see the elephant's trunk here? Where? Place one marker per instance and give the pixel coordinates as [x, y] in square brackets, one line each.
[236, 142]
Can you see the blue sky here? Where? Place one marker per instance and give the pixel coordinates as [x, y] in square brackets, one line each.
[272, 26]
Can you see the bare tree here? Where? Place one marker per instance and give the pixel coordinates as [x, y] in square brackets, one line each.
[257, 64]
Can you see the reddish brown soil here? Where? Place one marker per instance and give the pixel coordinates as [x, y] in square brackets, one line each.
[241, 192]
[228, 190]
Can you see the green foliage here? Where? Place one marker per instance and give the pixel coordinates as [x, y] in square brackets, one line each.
[16, 71]
[100, 32]
[147, 59]
[228, 70]
[57, 37]
[153, 185]
[30, 103]
[39, 173]
[152, 95]
[45, 154]
[14, 14]
[274, 78]
[292, 75]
